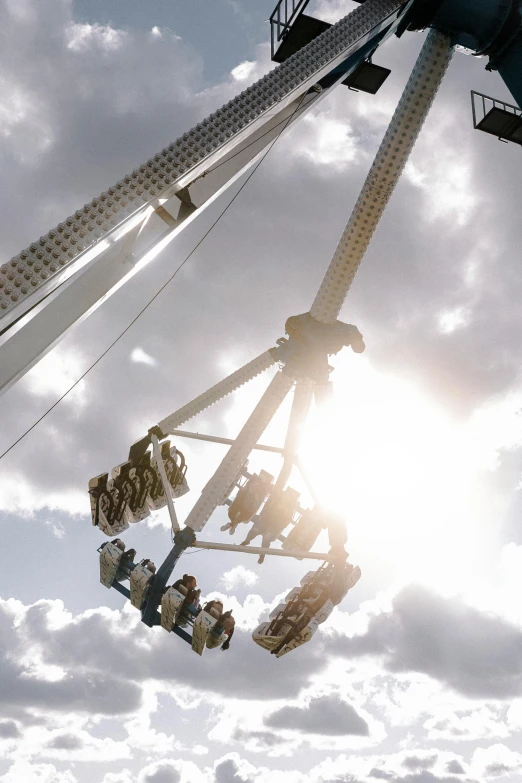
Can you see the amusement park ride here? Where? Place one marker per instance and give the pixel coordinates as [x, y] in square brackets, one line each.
[65, 275]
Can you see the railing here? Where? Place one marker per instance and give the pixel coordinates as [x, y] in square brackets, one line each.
[282, 18]
[482, 104]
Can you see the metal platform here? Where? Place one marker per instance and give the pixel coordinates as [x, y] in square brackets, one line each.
[497, 118]
[367, 77]
[291, 28]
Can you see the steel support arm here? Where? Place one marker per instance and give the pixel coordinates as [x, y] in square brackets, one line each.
[384, 174]
[300, 406]
[260, 550]
[224, 441]
[237, 455]
[167, 489]
[228, 385]
[83, 260]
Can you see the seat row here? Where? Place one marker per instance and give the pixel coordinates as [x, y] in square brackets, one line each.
[272, 510]
[133, 491]
[294, 622]
[180, 604]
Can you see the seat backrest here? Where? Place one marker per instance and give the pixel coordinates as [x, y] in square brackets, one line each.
[182, 589]
[214, 612]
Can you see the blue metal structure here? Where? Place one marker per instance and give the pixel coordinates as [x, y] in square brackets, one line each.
[491, 28]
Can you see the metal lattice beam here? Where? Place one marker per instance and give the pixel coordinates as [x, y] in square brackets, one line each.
[63, 276]
[389, 163]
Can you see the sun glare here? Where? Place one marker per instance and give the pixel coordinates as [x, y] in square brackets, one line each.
[406, 475]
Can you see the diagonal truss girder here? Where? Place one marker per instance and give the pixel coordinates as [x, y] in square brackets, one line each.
[389, 163]
[63, 276]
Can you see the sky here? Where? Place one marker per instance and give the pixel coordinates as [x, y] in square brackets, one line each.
[417, 676]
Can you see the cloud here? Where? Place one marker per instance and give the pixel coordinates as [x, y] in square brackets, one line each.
[243, 71]
[86, 646]
[380, 774]
[141, 357]
[496, 761]
[66, 742]
[418, 762]
[81, 37]
[160, 772]
[9, 729]
[328, 715]
[36, 773]
[427, 777]
[475, 653]
[239, 575]
[455, 767]
[79, 690]
[125, 776]
[228, 772]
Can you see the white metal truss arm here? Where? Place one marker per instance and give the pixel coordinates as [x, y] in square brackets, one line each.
[300, 406]
[72, 268]
[258, 550]
[217, 392]
[237, 455]
[164, 480]
[384, 174]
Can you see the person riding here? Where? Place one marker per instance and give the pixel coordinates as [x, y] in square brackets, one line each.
[187, 581]
[149, 565]
[277, 513]
[228, 623]
[248, 500]
[216, 604]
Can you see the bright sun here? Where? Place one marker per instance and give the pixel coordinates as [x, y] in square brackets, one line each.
[407, 476]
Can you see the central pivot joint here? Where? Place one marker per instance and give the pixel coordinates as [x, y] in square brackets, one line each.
[305, 353]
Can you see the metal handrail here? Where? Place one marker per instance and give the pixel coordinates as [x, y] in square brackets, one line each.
[487, 103]
[282, 18]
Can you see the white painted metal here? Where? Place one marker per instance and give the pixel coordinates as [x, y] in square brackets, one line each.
[402, 133]
[217, 392]
[203, 625]
[266, 639]
[110, 557]
[224, 441]
[140, 579]
[166, 484]
[237, 455]
[306, 478]
[94, 251]
[170, 604]
[302, 398]
[260, 550]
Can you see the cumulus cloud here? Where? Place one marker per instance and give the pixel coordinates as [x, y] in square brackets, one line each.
[81, 37]
[9, 729]
[496, 761]
[475, 653]
[454, 766]
[141, 357]
[326, 715]
[37, 773]
[239, 575]
[160, 772]
[85, 647]
[79, 690]
[227, 771]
